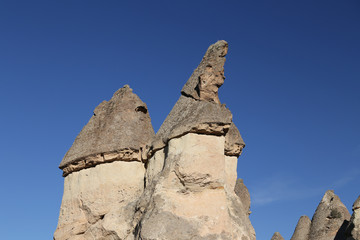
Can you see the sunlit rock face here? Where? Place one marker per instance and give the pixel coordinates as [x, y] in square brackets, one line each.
[193, 195]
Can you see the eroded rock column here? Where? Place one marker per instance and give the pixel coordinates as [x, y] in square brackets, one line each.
[104, 174]
[191, 167]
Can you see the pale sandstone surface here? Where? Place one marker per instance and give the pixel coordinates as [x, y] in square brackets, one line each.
[243, 193]
[330, 219]
[277, 236]
[353, 229]
[302, 229]
[120, 126]
[99, 202]
[188, 198]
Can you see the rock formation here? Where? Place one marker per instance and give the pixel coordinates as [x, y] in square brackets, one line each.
[122, 182]
[330, 218]
[353, 229]
[192, 162]
[104, 175]
[302, 229]
[277, 236]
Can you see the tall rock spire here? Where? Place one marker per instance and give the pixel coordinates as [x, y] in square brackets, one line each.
[191, 167]
[330, 219]
[198, 109]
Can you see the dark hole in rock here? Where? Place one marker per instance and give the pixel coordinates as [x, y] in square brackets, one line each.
[141, 109]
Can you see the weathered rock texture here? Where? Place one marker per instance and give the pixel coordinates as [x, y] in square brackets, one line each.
[353, 229]
[117, 131]
[104, 175]
[122, 182]
[277, 236]
[330, 218]
[302, 229]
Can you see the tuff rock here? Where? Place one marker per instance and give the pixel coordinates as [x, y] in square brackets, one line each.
[302, 229]
[122, 182]
[104, 175]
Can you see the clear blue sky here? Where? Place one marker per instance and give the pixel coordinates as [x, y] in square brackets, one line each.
[292, 83]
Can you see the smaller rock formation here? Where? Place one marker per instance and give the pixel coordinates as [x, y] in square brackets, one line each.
[104, 175]
[302, 229]
[277, 236]
[243, 193]
[353, 229]
[330, 218]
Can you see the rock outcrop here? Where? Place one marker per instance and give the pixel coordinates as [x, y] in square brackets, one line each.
[277, 236]
[302, 229]
[353, 229]
[104, 175]
[122, 182]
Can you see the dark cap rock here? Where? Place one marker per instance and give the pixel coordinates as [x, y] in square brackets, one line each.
[122, 123]
[190, 115]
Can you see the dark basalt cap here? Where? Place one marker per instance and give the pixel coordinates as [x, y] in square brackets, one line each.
[123, 122]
